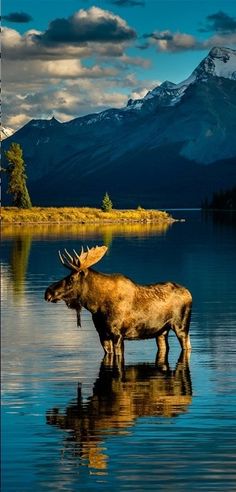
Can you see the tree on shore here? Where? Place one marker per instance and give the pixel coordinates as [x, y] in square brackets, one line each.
[106, 203]
[221, 200]
[17, 177]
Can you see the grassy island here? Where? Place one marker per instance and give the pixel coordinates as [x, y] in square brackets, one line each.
[81, 215]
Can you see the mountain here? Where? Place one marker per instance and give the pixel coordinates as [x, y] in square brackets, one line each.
[172, 148]
[6, 132]
[220, 62]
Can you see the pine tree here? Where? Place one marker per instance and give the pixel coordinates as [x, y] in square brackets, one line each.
[17, 177]
[106, 203]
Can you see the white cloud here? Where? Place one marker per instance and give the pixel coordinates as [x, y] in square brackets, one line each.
[74, 98]
[76, 66]
[221, 40]
[17, 121]
[73, 69]
[85, 33]
[94, 15]
[10, 38]
[141, 91]
[135, 61]
[168, 41]
[172, 42]
[70, 101]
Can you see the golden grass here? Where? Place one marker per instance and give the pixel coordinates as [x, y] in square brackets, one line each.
[83, 231]
[82, 215]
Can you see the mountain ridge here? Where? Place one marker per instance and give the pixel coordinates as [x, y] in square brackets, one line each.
[183, 132]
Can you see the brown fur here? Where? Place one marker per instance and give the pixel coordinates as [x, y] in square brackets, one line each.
[123, 310]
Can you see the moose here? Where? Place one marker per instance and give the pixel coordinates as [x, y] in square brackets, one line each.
[121, 309]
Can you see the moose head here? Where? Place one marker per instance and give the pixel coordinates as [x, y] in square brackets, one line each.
[70, 288]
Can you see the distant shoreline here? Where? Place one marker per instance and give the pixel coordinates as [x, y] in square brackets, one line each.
[82, 215]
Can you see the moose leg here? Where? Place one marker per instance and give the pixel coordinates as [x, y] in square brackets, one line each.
[163, 347]
[182, 365]
[162, 341]
[118, 345]
[161, 361]
[182, 372]
[115, 362]
[105, 339]
[181, 329]
[183, 337]
[106, 342]
[107, 345]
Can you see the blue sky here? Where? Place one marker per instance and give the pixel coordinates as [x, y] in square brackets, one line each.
[68, 58]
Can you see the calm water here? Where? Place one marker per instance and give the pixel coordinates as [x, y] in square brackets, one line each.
[71, 422]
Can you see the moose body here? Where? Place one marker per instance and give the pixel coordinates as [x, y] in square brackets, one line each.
[123, 310]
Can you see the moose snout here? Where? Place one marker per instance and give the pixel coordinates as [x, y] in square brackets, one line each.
[49, 295]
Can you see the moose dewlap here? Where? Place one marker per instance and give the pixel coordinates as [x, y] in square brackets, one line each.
[121, 309]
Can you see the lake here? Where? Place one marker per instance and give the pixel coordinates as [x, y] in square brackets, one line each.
[73, 422]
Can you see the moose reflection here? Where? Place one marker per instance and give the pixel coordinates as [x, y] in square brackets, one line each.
[121, 309]
[120, 396]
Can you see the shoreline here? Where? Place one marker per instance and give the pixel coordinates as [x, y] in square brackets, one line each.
[82, 216]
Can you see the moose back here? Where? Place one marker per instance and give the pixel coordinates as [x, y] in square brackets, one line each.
[121, 309]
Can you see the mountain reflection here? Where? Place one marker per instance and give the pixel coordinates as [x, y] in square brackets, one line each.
[121, 394]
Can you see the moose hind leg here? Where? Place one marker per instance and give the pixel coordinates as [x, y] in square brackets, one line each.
[163, 349]
[162, 342]
[181, 329]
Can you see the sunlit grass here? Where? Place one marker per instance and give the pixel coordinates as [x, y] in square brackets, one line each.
[85, 231]
[82, 215]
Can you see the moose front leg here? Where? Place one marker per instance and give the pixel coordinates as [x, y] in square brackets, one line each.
[106, 343]
[104, 334]
[108, 346]
[118, 345]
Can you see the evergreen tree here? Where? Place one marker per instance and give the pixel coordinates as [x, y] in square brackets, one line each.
[106, 203]
[17, 177]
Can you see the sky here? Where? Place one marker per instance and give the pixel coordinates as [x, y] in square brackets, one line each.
[68, 58]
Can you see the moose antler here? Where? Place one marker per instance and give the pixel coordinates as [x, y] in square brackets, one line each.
[84, 260]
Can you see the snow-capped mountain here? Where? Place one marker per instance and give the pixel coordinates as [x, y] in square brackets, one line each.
[220, 62]
[172, 148]
[6, 132]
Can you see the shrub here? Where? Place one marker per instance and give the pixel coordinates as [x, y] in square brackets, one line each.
[106, 203]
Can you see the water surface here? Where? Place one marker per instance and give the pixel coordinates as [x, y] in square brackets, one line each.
[72, 421]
